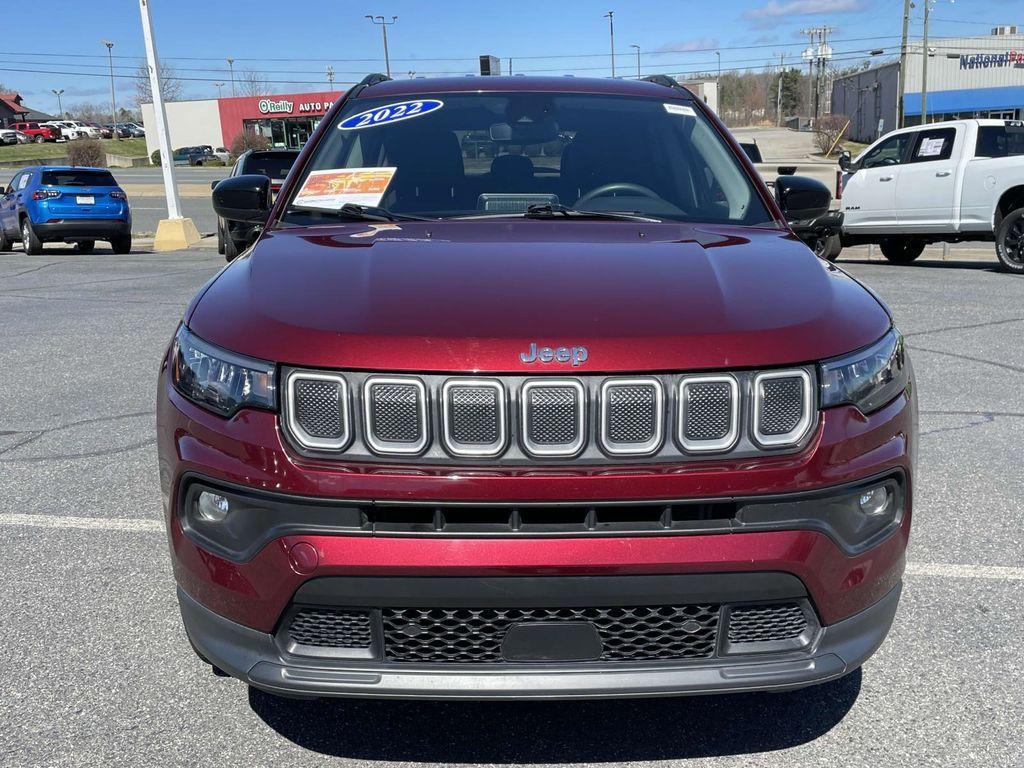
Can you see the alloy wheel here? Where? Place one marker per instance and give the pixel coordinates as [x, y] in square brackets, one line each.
[1013, 241]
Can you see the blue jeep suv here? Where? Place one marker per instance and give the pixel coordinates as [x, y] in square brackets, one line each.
[64, 204]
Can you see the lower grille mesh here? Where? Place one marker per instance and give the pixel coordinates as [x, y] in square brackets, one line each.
[475, 635]
[764, 623]
[330, 628]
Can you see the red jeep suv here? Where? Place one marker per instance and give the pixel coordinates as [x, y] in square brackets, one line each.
[526, 388]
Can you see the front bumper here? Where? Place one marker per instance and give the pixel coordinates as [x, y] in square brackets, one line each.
[258, 659]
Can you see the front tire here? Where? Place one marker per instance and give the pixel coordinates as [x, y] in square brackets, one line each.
[828, 247]
[220, 240]
[1010, 241]
[901, 250]
[32, 244]
[230, 247]
[39, 139]
[5, 243]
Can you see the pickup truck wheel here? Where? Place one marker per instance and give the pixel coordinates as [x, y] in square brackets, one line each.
[32, 244]
[220, 240]
[1010, 241]
[829, 247]
[230, 247]
[901, 250]
[38, 139]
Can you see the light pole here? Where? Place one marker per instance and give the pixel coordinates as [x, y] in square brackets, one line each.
[113, 102]
[231, 66]
[60, 109]
[902, 78]
[611, 32]
[381, 22]
[218, 86]
[718, 80]
[330, 76]
[636, 47]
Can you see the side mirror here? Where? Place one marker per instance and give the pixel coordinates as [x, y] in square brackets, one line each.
[801, 199]
[243, 198]
[845, 160]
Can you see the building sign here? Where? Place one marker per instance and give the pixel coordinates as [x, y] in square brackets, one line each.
[989, 60]
[272, 107]
[315, 106]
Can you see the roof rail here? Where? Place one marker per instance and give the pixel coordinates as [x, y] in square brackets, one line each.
[668, 82]
[372, 79]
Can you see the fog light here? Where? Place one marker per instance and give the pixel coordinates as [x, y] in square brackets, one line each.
[874, 502]
[212, 507]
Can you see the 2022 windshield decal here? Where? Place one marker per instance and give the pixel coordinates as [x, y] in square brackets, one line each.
[390, 113]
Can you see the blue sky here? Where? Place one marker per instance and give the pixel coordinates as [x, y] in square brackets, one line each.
[570, 36]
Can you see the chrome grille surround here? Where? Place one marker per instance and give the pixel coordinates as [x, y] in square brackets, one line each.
[473, 442]
[766, 405]
[687, 421]
[565, 403]
[613, 424]
[390, 404]
[293, 381]
[591, 443]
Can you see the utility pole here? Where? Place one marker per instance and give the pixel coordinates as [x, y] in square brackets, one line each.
[924, 65]
[60, 109]
[218, 86]
[778, 96]
[637, 48]
[381, 22]
[611, 31]
[718, 80]
[113, 103]
[902, 82]
[510, 65]
[231, 66]
[330, 76]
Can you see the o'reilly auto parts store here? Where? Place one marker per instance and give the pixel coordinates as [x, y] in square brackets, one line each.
[968, 77]
[287, 120]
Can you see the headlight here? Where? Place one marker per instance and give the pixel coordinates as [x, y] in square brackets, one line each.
[218, 380]
[869, 378]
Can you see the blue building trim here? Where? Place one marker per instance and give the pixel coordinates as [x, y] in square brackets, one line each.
[967, 100]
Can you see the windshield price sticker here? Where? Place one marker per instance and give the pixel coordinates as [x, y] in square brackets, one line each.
[334, 188]
[679, 109]
[390, 113]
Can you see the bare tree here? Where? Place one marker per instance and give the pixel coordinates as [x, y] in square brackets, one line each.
[90, 112]
[252, 83]
[171, 86]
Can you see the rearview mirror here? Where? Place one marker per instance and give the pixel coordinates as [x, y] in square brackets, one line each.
[243, 198]
[845, 160]
[524, 132]
[801, 199]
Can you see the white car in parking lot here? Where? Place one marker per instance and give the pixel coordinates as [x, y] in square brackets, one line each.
[943, 182]
[69, 130]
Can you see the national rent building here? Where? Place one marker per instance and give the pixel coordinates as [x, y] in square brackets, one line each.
[967, 77]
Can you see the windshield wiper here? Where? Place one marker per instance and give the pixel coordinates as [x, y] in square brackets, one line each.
[362, 213]
[555, 210]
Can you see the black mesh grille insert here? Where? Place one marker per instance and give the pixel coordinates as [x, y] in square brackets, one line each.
[395, 413]
[318, 408]
[708, 410]
[475, 635]
[331, 628]
[553, 414]
[763, 623]
[473, 415]
[782, 405]
[632, 413]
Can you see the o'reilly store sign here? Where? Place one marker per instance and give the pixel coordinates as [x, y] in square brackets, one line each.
[286, 107]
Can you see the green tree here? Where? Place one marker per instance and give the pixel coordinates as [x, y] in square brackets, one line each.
[791, 91]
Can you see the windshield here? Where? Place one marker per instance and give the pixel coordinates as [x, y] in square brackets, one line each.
[488, 154]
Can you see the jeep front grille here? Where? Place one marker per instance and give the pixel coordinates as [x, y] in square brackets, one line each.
[526, 420]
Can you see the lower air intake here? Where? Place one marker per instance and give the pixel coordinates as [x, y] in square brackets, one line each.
[766, 623]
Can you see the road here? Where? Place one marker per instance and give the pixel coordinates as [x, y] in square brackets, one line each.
[97, 671]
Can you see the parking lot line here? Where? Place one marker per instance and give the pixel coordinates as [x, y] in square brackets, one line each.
[134, 525]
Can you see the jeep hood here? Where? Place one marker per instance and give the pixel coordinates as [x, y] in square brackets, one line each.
[471, 296]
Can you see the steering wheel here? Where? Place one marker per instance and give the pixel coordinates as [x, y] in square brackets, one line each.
[618, 186]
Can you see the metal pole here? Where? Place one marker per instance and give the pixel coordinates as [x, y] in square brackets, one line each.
[611, 32]
[379, 21]
[924, 66]
[160, 113]
[718, 80]
[330, 76]
[637, 47]
[231, 66]
[60, 108]
[778, 97]
[113, 102]
[902, 77]
[218, 86]
[510, 65]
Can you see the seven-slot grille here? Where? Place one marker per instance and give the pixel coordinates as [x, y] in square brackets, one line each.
[522, 419]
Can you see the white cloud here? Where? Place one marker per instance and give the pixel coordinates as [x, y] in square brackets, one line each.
[694, 44]
[775, 9]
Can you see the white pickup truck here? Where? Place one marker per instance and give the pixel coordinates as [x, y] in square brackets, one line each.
[942, 182]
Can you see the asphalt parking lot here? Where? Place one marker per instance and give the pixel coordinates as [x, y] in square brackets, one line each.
[97, 670]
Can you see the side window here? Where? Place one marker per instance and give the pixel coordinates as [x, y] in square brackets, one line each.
[933, 145]
[24, 180]
[889, 152]
[14, 182]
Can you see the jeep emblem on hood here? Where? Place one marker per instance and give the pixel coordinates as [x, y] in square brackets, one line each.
[574, 355]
